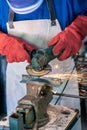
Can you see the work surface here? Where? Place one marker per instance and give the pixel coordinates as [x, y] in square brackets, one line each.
[60, 118]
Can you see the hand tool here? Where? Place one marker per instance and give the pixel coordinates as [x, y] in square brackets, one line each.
[40, 59]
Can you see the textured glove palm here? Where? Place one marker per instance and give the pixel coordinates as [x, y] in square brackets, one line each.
[70, 39]
[14, 48]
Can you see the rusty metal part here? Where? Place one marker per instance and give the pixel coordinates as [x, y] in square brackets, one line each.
[55, 82]
[33, 72]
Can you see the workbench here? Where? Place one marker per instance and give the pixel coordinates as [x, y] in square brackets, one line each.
[60, 118]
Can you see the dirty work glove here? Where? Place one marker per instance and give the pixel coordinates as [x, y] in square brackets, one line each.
[14, 48]
[70, 39]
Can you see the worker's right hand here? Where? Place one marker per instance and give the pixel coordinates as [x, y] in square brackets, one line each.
[14, 48]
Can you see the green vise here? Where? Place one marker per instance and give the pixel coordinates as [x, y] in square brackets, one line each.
[33, 106]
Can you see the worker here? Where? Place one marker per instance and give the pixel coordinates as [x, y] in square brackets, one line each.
[28, 25]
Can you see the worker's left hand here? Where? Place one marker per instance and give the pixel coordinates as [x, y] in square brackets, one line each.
[70, 40]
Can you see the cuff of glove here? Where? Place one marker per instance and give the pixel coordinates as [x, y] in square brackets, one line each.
[80, 26]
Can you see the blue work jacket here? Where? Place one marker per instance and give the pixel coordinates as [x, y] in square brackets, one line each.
[66, 11]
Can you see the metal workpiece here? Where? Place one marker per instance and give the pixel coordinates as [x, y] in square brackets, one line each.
[52, 81]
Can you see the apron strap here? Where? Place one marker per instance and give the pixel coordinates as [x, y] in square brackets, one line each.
[52, 12]
[10, 19]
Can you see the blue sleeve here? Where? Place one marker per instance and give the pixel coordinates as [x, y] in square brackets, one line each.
[80, 6]
[68, 10]
[4, 11]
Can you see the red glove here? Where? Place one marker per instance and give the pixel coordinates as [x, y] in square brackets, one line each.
[70, 40]
[14, 48]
